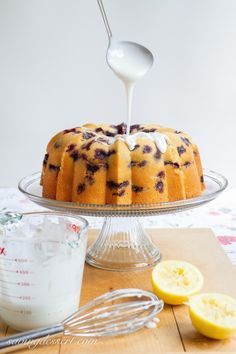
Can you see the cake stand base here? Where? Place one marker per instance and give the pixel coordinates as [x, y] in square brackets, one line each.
[122, 245]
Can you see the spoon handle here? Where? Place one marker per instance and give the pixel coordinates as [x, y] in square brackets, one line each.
[104, 17]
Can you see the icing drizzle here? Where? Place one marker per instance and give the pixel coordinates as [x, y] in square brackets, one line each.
[130, 140]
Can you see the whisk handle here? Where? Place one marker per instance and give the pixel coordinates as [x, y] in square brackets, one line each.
[31, 339]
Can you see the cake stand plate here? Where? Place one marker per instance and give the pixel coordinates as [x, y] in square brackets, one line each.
[123, 244]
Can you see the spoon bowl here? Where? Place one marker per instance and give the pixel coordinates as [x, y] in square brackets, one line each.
[130, 61]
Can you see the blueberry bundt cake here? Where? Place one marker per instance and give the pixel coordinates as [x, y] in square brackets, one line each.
[101, 164]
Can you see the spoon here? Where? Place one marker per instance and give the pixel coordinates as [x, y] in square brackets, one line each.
[130, 61]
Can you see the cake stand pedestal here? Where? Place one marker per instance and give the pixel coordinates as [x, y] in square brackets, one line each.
[123, 244]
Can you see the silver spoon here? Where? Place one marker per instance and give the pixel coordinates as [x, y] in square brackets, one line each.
[123, 55]
[130, 61]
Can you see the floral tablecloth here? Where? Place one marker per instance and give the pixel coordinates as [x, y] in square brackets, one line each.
[219, 215]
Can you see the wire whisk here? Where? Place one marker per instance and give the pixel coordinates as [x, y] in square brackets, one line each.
[115, 313]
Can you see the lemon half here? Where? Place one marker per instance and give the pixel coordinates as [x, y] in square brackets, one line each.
[174, 281]
[213, 315]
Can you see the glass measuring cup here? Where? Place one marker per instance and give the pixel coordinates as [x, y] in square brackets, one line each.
[42, 257]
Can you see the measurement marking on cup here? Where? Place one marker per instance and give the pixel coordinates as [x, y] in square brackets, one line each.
[18, 260]
[24, 283]
[22, 297]
[22, 271]
[20, 283]
[26, 297]
[23, 260]
[18, 271]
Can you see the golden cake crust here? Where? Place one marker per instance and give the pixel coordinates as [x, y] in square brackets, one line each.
[82, 165]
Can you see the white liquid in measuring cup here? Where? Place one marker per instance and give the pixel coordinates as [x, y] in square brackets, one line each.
[40, 275]
[130, 62]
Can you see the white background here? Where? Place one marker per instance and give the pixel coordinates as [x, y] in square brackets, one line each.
[53, 74]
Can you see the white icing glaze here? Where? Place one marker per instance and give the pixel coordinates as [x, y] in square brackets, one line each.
[156, 319]
[130, 62]
[130, 140]
[150, 325]
[153, 323]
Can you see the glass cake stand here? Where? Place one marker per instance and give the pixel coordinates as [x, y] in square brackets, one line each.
[123, 244]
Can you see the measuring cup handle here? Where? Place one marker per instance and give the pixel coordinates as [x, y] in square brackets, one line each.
[30, 339]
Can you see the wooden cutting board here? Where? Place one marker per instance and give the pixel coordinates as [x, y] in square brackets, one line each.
[174, 333]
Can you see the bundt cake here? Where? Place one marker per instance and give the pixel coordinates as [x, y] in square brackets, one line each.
[101, 164]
